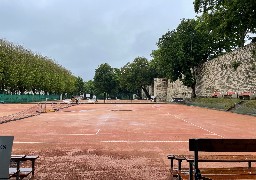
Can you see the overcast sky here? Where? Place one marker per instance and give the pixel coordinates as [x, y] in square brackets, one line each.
[82, 34]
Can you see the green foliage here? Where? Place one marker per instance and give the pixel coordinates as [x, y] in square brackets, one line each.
[89, 87]
[22, 70]
[230, 19]
[136, 76]
[105, 79]
[181, 51]
[219, 43]
[235, 105]
[79, 86]
[216, 103]
[248, 107]
[235, 65]
[158, 70]
[123, 82]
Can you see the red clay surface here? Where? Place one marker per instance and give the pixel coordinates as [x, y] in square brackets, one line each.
[117, 141]
[8, 109]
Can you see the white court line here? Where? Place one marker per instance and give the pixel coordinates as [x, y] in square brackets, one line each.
[75, 134]
[124, 141]
[19, 142]
[98, 131]
[212, 133]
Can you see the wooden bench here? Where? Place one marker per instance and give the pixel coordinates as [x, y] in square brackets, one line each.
[21, 172]
[179, 172]
[10, 165]
[222, 145]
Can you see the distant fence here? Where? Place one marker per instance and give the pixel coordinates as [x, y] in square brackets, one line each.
[6, 98]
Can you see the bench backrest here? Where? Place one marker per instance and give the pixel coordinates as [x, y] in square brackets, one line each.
[223, 145]
[6, 143]
[219, 145]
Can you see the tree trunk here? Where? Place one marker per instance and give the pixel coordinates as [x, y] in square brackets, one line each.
[242, 34]
[146, 92]
[193, 84]
[22, 90]
[34, 90]
[193, 95]
[139, 94]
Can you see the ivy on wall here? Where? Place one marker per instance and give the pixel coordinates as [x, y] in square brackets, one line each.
[235, 64]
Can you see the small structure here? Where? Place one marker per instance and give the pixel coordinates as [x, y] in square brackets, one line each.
[217, 94]
[247, 95]
[230, 94]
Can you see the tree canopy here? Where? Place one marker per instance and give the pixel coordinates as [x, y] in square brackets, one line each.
[105, 79]
[181, 51]
[232, 19]
[22, 71]
[136, 76]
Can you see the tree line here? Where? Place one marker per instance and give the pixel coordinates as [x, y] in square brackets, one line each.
[22, 71]
[220, 26]
[124, 82]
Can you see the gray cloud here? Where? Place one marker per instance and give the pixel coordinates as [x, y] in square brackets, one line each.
[82, 34]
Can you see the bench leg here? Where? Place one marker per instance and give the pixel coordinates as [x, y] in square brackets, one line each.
[171, 164]
[18, 171]
[249, 164]
[179, 167]
[190, 170]
[33, 167]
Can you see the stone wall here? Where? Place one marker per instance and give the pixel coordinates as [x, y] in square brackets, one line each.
[234, 71]
[160, 89]
[177, 90]
[231, 72]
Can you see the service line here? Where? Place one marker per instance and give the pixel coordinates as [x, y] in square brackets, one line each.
[19, 142]
[75, 134]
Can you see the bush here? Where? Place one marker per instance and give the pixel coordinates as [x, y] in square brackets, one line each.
[247, 107]
[215, 103]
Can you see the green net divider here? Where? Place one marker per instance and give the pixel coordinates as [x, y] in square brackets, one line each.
[6, 98]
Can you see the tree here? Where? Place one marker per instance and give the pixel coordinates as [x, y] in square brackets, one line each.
[89, 88]
[104, 79]
[182, 51]
[79, 86]
[232, 19]
[136, 76]
[156, 69]
[24, 71]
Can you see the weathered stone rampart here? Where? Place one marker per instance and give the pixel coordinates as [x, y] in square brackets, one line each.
[231, 72]
[160, 89]
[234, 71]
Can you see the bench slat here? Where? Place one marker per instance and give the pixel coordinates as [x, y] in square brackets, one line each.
[231, 170]
[225, 177]
[223, 145]
[24, 172]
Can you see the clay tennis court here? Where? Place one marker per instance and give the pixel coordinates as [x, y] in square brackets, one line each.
[117, 141]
